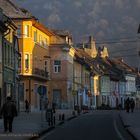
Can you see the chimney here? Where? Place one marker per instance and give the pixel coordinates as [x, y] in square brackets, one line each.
[90, 39]
[99, 51]
[91, 42]
[92, 47]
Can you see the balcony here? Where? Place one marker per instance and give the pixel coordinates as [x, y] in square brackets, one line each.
[39, 73]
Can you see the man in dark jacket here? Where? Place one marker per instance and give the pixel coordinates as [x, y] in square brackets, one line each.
[132, 104]
[8, 111]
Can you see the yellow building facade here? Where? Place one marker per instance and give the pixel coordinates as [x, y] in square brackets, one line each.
[34, 40]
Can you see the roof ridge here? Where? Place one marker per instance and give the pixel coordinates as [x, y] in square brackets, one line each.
[14, 4]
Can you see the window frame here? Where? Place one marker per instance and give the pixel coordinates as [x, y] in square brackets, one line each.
[46, 66]
[35, 36]
[26, 31]
[19, 30]
[26, 61]
[57, 67]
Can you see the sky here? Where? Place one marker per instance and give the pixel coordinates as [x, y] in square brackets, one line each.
[112, 22]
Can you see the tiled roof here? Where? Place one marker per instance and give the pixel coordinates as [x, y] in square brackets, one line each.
[123, 66]
[3, 28]
[88, 60]
[14, 11]
[83, 53]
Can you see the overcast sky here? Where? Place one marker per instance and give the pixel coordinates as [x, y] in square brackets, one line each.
[103, 19]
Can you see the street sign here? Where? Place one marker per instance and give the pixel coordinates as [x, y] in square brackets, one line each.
[42, 90]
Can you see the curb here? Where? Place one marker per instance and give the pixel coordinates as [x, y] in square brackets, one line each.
[50, 129]
[60, 123]
[42, 133]
[126, 128]
[70, 118]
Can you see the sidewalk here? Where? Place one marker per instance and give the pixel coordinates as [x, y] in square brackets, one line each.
[29, 125]
[131, 122]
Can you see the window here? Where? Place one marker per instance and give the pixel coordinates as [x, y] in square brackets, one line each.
[21, 91]
[45, 42]
[26, 61]
[5, 54]
[67, 39]
[19, 30]
[46, 63]
[8, 89]
[19, 64]
[8, 57]
[35, 36]
[31, 31]
[26, 31]
[86, 78]
[70, 42]
[12, 56]
[57, 66]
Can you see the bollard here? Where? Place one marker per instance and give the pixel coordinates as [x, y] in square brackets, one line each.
[49, 121]
[54, 120]
[63, 117]
[73, 113]
[78, 111]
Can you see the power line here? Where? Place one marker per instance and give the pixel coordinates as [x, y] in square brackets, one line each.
[118, 42]
[122, 50]
[126, 55]
[129, 37]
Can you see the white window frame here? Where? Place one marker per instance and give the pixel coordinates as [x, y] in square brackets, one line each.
[57, 67]
[40, 40]
[45, 42]
[27, 58]
[35, 36]
[26, 30]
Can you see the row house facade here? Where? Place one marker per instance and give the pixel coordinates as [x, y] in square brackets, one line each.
[34, 41]
[113, 80]
[117, 83]
[62, 53]
[9, 54]
[127, 85]
[87, 76]
[3, 29]
[81, 81]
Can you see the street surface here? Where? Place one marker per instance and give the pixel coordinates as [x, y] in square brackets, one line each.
[98, 125]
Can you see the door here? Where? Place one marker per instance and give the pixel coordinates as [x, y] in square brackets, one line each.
[21, 96]
[57, 98]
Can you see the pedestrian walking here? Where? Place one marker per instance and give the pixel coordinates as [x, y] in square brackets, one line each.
[132, 104]
[53, 107]
[27, 106]
[8, 111]
[127, 105]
